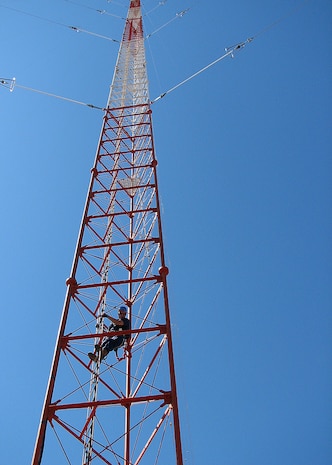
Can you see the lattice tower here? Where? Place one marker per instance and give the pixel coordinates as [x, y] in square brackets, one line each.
[121, 409]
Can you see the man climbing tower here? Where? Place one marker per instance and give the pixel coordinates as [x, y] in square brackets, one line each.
[113, 342]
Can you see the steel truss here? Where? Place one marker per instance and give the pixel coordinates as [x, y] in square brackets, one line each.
[123, 409]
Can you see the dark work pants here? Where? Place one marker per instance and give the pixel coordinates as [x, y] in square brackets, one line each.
[112, 344]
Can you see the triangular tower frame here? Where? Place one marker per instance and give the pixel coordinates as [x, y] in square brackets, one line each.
[122, 409]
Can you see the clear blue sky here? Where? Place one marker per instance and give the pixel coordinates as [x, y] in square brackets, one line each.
[245, 174]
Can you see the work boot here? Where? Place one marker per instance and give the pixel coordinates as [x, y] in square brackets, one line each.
[92, 356]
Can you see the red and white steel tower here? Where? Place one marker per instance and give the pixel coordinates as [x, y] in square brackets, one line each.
[122, 409]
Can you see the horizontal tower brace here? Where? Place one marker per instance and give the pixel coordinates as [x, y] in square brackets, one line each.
[117, 283]
[166, 397]
[124, 212]
[159, 328]
[154, 240]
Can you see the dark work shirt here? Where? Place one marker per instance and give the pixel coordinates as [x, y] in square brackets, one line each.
[124, 327]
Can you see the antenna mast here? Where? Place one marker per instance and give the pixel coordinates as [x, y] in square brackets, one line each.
[121, 409]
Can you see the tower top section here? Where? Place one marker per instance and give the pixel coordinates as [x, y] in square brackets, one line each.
[133, 27]
[130, 83]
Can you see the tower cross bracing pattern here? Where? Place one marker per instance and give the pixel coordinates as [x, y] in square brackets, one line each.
[122, 409]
